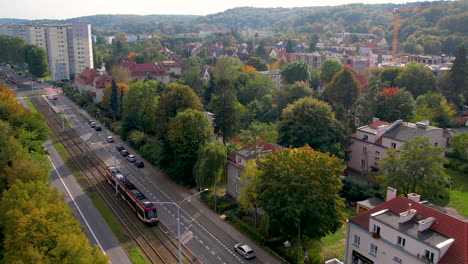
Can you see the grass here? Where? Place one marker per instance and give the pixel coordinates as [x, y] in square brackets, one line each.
[333, 245]
[31, 106]
[137, 257]
[459, 191]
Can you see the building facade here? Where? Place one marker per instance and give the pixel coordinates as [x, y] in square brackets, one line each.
[68, 46]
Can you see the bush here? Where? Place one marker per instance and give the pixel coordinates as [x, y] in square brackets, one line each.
[353, 191]
[253, 232]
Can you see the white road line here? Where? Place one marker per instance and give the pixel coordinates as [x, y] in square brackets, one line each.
[77, 207]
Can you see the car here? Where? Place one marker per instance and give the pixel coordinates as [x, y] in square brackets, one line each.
[131, 158]
[92, 124]
[119, 147]
[139, 164]
[91, 121]
[110, 139]
[98, 128]
[244, 250]
[124, 152]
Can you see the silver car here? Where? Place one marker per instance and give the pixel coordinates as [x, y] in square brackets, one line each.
[131, 158]
[244, 250]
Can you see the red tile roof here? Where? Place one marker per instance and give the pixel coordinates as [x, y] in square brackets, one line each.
[378, 123]
[86, 77]
[143, 69]
[265, 146]
[445, 224]
[101, 80]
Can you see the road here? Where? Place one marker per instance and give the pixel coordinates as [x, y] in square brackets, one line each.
[210, 241]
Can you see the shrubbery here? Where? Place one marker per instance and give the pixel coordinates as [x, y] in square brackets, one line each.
[354, 191]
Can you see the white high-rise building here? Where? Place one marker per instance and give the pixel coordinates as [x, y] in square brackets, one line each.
[68, 46]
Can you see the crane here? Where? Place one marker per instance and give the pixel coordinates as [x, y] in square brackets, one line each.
[396, 22]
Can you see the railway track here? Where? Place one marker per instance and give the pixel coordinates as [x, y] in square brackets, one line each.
[156, 244]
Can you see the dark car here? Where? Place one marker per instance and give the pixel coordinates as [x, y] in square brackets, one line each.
[124, 152]
[131, 158]
[98, 128]
[139, 164]
[119, 147]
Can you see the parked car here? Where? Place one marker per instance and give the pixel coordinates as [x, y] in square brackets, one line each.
[131, 158]
[119, 148]
[98, 128]
[92, 124]
[110, 139]
[244, 250]
[91, 121]
[139, 164]
[124, 152]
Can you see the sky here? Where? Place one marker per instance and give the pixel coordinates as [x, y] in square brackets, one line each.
[63, 9]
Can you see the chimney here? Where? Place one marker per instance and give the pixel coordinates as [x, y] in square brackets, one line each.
[407, 215]
[414, 196]
[391, 193]
[425, 224]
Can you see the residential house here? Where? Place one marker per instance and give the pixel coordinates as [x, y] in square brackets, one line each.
[406, 230]
[205, 73]
[275, 76]
[145, 70]
[238, 160]
[94, 82]
[173, 67]
[370, 143]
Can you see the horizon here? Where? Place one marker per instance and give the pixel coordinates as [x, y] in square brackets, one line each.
[59, 10]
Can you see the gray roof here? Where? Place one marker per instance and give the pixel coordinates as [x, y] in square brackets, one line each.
[410, 228]
[408, 131]
[371, 202]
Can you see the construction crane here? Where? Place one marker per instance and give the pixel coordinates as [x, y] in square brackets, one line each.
[396, 23]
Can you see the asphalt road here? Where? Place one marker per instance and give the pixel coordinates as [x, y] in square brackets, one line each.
[206, 240]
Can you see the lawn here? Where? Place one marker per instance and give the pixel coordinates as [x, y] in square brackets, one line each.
[333, 245]
[459, 192]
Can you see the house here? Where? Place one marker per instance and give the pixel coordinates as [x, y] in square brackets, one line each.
[92, 81]
[370, 143]
[205, 73]
[238, 160]
[275, 76]
[173, 67]
[406, 230]
[145, 70]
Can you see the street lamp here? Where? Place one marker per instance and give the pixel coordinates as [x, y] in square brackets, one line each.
[178, 204]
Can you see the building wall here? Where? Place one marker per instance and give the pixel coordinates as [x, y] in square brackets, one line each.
[80, 47]
[57, 51]
[364, 154]
[233, 185]
[275, 76]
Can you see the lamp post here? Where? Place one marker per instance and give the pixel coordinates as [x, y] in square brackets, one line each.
[177, 205]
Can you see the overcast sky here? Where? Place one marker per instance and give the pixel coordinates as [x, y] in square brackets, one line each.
[62, 9]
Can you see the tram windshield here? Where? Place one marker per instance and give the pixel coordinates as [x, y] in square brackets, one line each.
[151, 214]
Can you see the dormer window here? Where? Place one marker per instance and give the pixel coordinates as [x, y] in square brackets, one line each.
[376, 229]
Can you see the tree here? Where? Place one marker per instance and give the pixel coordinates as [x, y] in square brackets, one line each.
[416, 167]
[434, 107]
[139, 106]
[174, 99]
[250, 180]
[310, 121]
[295, 72]
[459, 144]
[456, 83]
[227, 117]
[329, 68]
[417, 79]
[300, 186]
[256, 87]
[36, 58]
[354, 38]
[187, 132]
[120, 74]
[9, 106]
[106, 98]
[114, 107]
[257, 63]
[25, 171]
[313, 43]
[389, 75]
[394, 103]
[344, 88]
[289, 46]
[291, 93]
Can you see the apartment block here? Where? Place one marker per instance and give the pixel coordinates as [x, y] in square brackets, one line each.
[68, 46]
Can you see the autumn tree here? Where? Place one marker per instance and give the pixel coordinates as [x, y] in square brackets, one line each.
[300, 187]
[187, 132]
[329, 68]
[416, 167]
[26, 171]
[435, 108]
[417, 79]
[312, 122]
[9, 106]
[250, 180]
[120, 74]
[344, 88]
[174, 99]
[392, 104]
[295, 72]
[139, 106]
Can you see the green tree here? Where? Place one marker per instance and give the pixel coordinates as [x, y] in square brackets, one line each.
[295, 72]
[389, 75]
[290, 93]
[25, 171]
[300, 186]
[354, 38]
[174, 99]
[10, 148]
[417, 79]
[416, 167]
[256, 87]
[227, 115]
[139, 106]
[456, 89]
[36, 58]
[329, 68]
[394, 103]
[250, 180]
[434, 107]
[289, 46]
[344, 88]
[187, 132]
[459, 144]
[311, 121]
[114, 106]
[257, 63]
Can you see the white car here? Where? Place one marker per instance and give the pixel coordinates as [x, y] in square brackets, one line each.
[110, 139]
[244, 250]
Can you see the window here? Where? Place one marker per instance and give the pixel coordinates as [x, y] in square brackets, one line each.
[238, 187]
[436, 144]
[376, 158]
[397, 260]
[394, 145]
[401, 241]
[357, 240]
[238, 174]
[373, 250]
[363, 163]
[239, 159]
[376, 229]
[429, 255]
[364, 150]
[366, 137]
